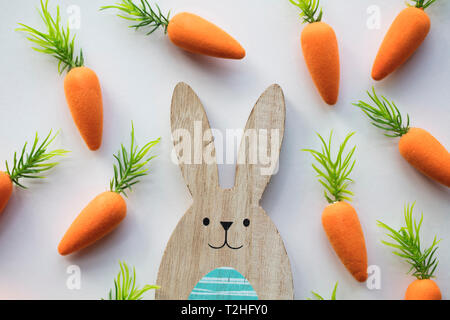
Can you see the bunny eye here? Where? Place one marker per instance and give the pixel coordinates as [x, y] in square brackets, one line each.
[205, 221]
[246, 222]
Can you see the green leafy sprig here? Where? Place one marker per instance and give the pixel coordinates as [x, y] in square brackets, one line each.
[56, 41]
[130, 165]
[33, 163]
[125, 285]
[143, 15]
[308, 10]
[421, 3]
[384, 115]
[408, 246]
[319, 297]
[334, 177]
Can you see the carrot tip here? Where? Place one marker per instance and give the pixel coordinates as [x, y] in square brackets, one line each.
[95, 147]
[361, 277]
[62, 251]
[377, 77]
[241, 55]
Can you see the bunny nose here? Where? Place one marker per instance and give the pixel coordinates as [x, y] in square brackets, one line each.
[226, 224]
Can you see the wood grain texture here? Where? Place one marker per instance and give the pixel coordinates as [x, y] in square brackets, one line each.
[262, 259]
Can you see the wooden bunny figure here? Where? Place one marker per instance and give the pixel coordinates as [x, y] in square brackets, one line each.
[226, 246]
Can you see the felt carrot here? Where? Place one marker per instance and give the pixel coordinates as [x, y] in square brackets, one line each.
[417, 146]
[28, 164]
[319, 297]
[105, 212]
[320, 50]
[407, 245]
[186, 30]
[406, 34]
[81, 85]
[339, 219]
[125, 287]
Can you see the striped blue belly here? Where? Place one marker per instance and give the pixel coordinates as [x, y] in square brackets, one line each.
[223, 284]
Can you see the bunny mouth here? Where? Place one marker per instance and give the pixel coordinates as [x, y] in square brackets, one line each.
[225, 243]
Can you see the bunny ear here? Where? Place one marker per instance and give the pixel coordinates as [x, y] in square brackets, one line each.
[193, 141]
[261, 143]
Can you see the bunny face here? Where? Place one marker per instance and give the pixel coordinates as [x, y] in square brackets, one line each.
[226, 227]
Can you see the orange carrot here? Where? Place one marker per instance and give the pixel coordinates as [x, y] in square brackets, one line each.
[186, 30]
[106, 211]
[408, 245]
[84, 97]
[6, 188]
[197, 35]
[341, 223]
[29, 164]
[339, 219]
[81, 85]
[417, 146]
[406, 34]
[425, 153]
[425, 289]
[101, 216]
[320, 50]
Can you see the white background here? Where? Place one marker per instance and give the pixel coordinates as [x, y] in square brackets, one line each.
[138, 73]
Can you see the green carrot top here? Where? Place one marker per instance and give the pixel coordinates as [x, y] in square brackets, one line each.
[130, 165]
[142, 15]
[408, 246]
[34, 162]
[319, 297]
[335, 174]
[421, 3]
[384, 115]
[125, 285]
[56, 41]
[308, 10]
